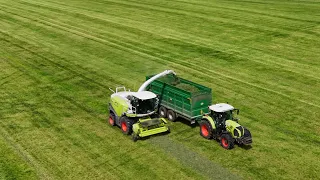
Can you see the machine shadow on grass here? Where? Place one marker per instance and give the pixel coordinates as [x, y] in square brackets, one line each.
[186, 122]
[246, 147]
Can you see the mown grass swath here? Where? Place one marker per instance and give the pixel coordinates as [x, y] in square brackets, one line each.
[58, 59]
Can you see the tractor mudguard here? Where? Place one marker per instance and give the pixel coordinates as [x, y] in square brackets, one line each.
[210, 120]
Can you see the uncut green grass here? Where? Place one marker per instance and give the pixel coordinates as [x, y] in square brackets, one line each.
[58, 59]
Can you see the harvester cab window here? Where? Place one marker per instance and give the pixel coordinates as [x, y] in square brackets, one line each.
[133, 101]
[146, 106]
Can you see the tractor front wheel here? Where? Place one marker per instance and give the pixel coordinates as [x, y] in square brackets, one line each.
[227, 141]
[126, 125]
[205, 129]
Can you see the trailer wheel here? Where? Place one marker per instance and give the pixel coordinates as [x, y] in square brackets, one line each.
[126, 125]
[171, 115]
[205, 129]
[111, 119]
[227, 141]
[163, 112]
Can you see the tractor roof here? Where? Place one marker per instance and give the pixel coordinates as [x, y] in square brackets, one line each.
[222, 107]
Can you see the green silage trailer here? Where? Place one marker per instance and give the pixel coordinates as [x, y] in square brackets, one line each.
[179, 97]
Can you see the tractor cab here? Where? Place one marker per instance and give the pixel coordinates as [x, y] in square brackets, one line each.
[222, 112]
[222, 125]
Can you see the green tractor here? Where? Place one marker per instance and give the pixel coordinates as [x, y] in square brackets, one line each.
[220, 124]
[135, 112]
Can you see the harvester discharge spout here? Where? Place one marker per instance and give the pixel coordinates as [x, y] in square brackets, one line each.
[149, 81]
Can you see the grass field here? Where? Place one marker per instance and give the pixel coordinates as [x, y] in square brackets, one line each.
[58, 59]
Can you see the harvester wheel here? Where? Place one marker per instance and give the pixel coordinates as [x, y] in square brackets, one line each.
[171, 115]
[163, 112]
[111, 119]
[227, 141]
[126, 125]
[205, 129]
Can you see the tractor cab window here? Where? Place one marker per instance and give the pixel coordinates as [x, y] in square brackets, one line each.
[218, 116]
[222, 116]
[228, 115]
[219, 119]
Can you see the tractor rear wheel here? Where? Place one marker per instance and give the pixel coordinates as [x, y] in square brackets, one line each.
[126, 125]
[171, 115]
[111, 119]
[163, 112]
[205, 129]
[227, 141]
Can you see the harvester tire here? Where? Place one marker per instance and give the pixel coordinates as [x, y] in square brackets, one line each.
[126, 125]
[163, 112]
[171, 115]
[205, 129]
[111, 119]
[227, 141]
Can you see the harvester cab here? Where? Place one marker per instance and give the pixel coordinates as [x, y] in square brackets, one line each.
[134, 112]
[222, 124]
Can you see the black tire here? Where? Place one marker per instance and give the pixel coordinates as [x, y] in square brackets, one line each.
[247, 133]
[171, 115]
[247, 137]
[126, 125]
[112, 119]
[227, 141]
[205, 129]
[163, 112]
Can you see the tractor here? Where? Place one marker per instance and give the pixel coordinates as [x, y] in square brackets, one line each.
[221, 124]
[135, 112]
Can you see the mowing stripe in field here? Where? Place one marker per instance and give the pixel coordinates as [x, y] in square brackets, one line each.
[41, 171]
[191, 159]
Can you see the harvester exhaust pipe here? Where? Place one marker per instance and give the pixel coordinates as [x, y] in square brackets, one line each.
[145, 84]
